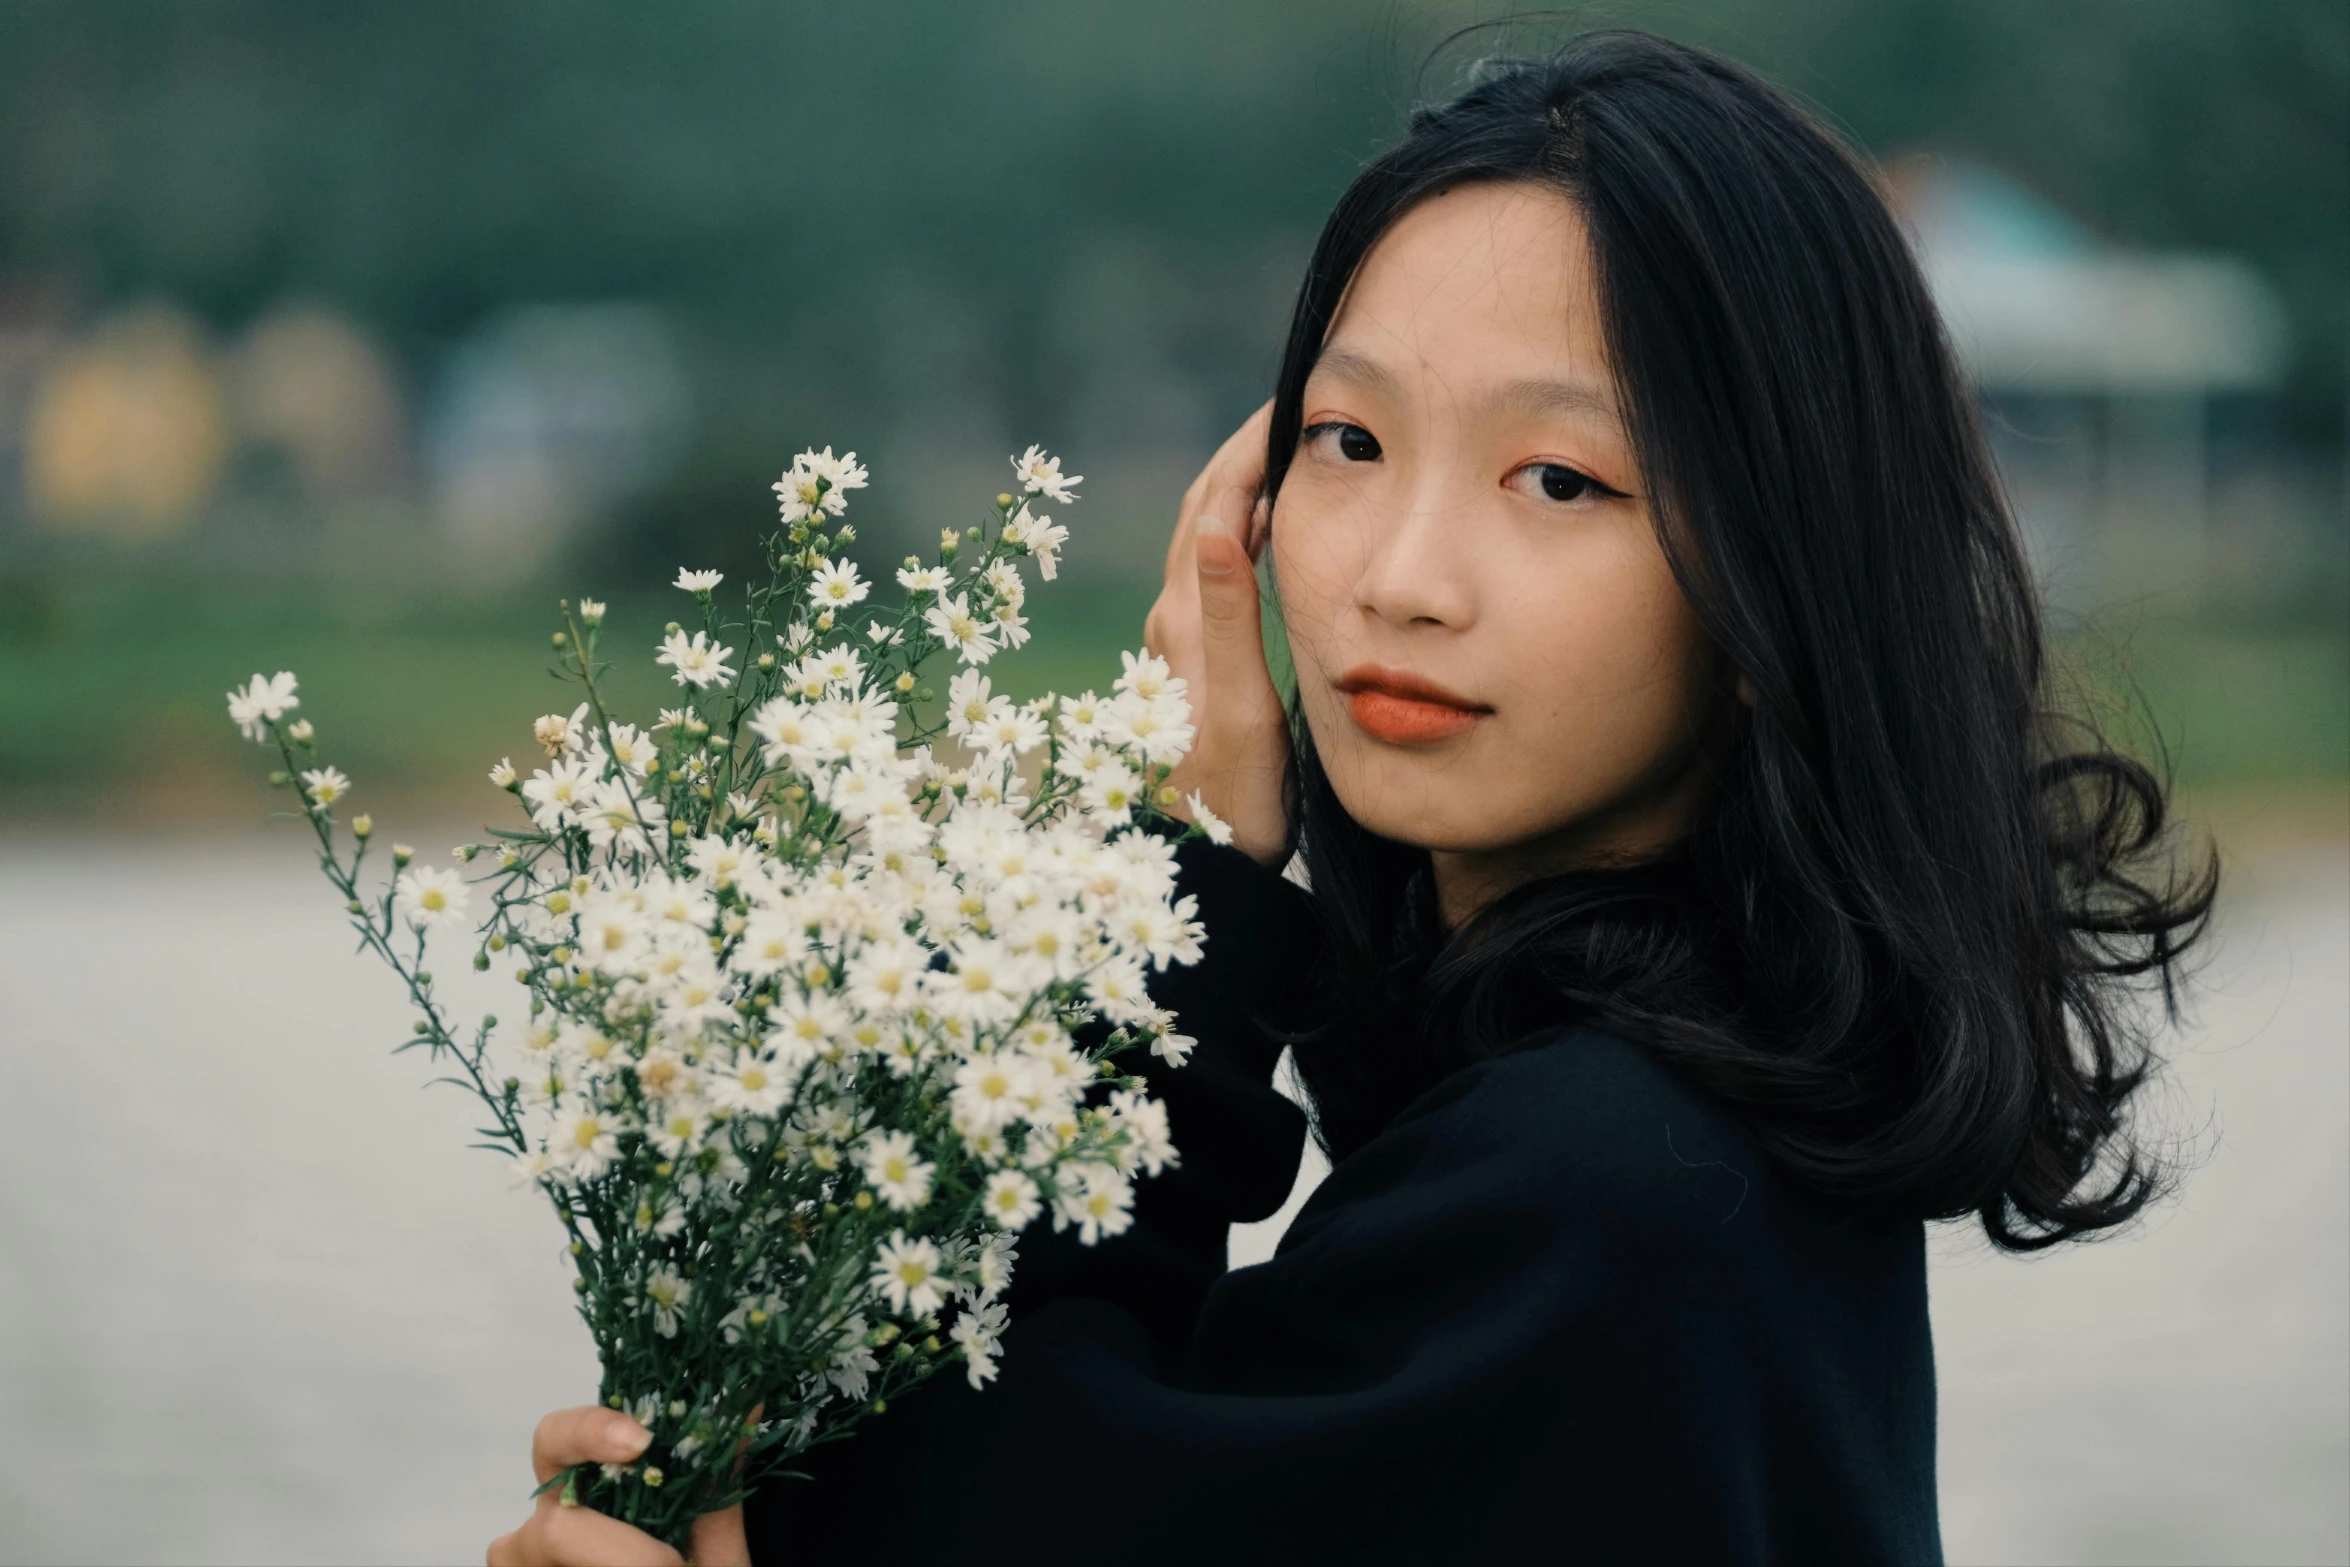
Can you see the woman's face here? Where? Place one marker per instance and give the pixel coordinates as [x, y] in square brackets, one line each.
[1493, 656]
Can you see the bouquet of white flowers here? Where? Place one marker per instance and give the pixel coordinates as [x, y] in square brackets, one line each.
[816, 1016]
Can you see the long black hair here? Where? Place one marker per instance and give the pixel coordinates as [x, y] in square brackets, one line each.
[1903, 937]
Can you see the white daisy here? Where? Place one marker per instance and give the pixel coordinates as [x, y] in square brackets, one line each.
[667, 1295]
[1041, 537]
[906, 1272]
[697, 582]
[990, 1090]
[1040, 474]
[696, 661]
[1100, 1202]
[754, 1085]
[1217, 829]
[560, 734]
[262, 703]
[1011, 1199]
[971, 635]
[324, 786]
[836, 585]
[976, 1333]
[894, 1172]
[427, 896]
[1174, 1049]
[584, 1144]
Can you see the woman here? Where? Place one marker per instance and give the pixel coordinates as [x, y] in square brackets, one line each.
[1701, 900]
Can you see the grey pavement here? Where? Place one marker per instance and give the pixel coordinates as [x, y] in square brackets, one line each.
[262, 1304]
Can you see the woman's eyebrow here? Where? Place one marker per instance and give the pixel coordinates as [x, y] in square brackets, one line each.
[1359, 371]
[1535, 396]
[1539, 397]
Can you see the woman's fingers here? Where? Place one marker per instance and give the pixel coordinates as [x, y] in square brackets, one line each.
[1232, 634]
[719, 1540]
[589, 1434]
[559, 1536]
[1207, 626]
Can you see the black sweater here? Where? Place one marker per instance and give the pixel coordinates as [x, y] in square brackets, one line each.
[1559, 1310]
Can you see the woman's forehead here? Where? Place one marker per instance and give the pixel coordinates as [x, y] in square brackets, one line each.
[1489, 289]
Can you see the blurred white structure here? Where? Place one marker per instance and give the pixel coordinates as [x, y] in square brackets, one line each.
[2099, 364]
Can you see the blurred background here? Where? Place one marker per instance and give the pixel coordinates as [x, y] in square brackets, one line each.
[344, 339]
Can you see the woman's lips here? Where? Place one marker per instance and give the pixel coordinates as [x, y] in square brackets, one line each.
[1403, 709]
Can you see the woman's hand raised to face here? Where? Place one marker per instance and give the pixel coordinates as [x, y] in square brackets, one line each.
[1205, 625]
[559, 1536]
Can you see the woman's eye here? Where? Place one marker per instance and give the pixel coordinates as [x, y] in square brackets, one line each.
[1355, 443]
[1558, 482]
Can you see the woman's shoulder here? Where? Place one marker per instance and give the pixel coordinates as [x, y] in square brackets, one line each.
[1583, 1133]
[1593, 1119]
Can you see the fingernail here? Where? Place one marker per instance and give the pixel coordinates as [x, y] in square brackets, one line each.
[1211, 527]
[631, 1437]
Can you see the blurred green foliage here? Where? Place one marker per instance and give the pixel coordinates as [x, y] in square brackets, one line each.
[119, 709]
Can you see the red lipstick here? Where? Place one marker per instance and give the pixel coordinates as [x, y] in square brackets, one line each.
[1402, 709]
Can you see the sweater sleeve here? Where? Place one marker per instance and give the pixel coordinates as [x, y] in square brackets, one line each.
[1558, 1309]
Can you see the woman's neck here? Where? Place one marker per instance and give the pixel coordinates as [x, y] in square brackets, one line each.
[1631, 833]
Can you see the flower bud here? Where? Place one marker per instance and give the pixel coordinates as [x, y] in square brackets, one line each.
[498, 943]
[356, 907]
[279, 778]
[300, 731]
[652, 1476]
[481, 962]
[591, 612]
[671, 629]
[847, 535]
[905, 682]
[362, 825]
[1167, 794]
[949, 541]
[864, 1199]
[1004, 501]
[678, 829]
[559, 641]
[824, 621]
[766, 660]
[402, 854]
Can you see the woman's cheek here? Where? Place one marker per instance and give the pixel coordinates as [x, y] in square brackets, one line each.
[1311, 579]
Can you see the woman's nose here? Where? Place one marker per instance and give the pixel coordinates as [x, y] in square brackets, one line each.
[1416, 570]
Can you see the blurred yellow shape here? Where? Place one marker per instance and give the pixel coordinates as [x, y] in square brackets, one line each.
[129, 431]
